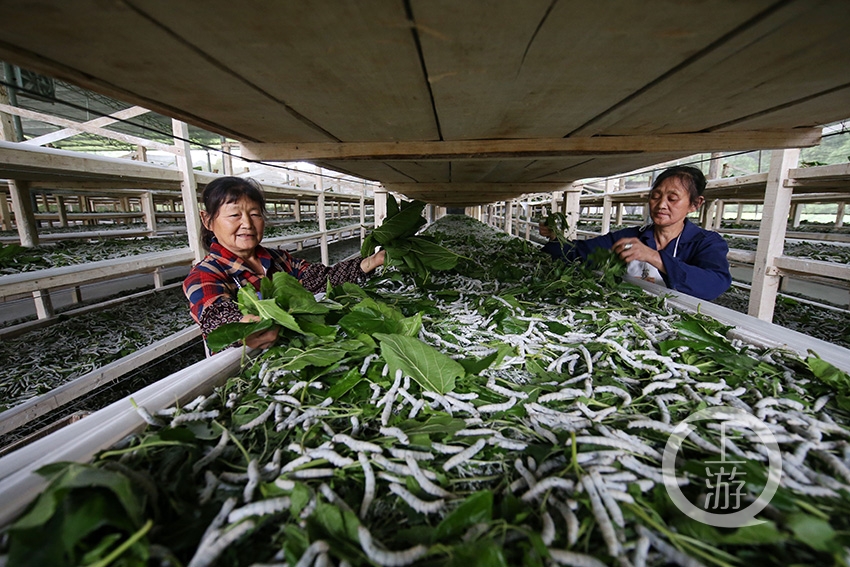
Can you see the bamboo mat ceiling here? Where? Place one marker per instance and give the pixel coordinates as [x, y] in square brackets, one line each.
[459, 103]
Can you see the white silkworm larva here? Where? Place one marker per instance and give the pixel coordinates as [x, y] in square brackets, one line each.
[149, 419]
[331, 456]
[395, 432]
[315, 549]
[641, 552]
[214, 452]
[312, 473]
[355, 445]
[547, 484]
[447, 449]
[260, 419]
[601, 515]
[574, 559]
[386, 558]
[417, 504]
[619, 392]
[570, 519]
[260, 508]
[423, 481]
[287, 399]
[409, 454]
[464, 455]
[209, 487]
[619, 444]
[206, 554]
[194, 416]
[253, 480]
[369, 488]
[547, 534]
[493, 408]
[611, 505]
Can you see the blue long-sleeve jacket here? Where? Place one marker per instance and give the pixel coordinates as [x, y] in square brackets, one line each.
[699, 268]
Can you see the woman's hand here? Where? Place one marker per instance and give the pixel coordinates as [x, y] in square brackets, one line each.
[630, 249]
[260, 339]
[373, 261]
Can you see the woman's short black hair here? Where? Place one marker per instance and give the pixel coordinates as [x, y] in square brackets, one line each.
[226, 190]
[691, 177]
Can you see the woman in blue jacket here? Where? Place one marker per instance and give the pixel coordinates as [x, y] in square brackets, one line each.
[670, 250]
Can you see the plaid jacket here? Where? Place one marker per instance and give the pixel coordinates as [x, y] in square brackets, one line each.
[213, 283]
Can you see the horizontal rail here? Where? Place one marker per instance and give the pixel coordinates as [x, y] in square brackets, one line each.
[56, 398]
[81, 440]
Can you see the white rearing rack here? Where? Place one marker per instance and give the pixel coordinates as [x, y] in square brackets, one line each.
[80, 441]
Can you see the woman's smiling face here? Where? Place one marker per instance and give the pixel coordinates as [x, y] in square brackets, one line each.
[670, 203]
[238, 226]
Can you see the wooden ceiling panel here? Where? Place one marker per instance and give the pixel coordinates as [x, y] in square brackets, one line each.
[795, 53]
[110, 48]
[546, 69]
[351, 69]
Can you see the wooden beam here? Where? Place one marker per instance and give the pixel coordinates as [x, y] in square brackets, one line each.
[65, 133]
[532, 148]
[82, 127]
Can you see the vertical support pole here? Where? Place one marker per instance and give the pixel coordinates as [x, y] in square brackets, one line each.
[606, 207]
[158, 281]
[528, 217]
[509, 216]
[618, 215]
[839, 217]
[141, 153]
[718, 214]
[24, 215]
[149, 210]
[76, 295]
[362, 213]
[572, 204]
[5, 218]
[740, 213]
[323, 225]
[226, 158]
[380, 205]
[43, 304]
[796, 212]
[63, 214]
[771, 241]
[708, 214]
[188, 188]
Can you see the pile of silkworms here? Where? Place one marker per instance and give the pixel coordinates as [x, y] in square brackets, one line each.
[549, 455]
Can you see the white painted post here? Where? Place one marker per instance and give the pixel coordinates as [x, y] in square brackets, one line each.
[528, 217]
[323, 225]
[380, 205]
[572, 202]
[362, 213]
[63, 214]
[839, 217]
[618, 215]
[158, 281]
[740, 214]
[509, 215]
[771, 241]
[188, 188]
[796, 211]
[149, 210]
[19, 190]
[43, 304]
[606, 206]
[226, 158]
[718, 214]
[5, 218]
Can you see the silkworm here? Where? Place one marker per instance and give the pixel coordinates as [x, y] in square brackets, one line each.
[331, 456]
[194, 416]
[312, 473]
[386, 558]
[395, 432]
[149, 419]
[355, 445]
[446, 449]
[417, 504]
[369, 485]
[259, 420]
[601, 515]
[619, 444]
[213, 453]
[424, 483]
[493, 408]
[548, 483]
[207, 554]
[253, 480]
[260, 508]
[573, 558]
[409, 454]
[610, 504]
[464, 455]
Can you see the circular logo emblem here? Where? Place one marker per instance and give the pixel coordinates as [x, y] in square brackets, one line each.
[725, 477]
